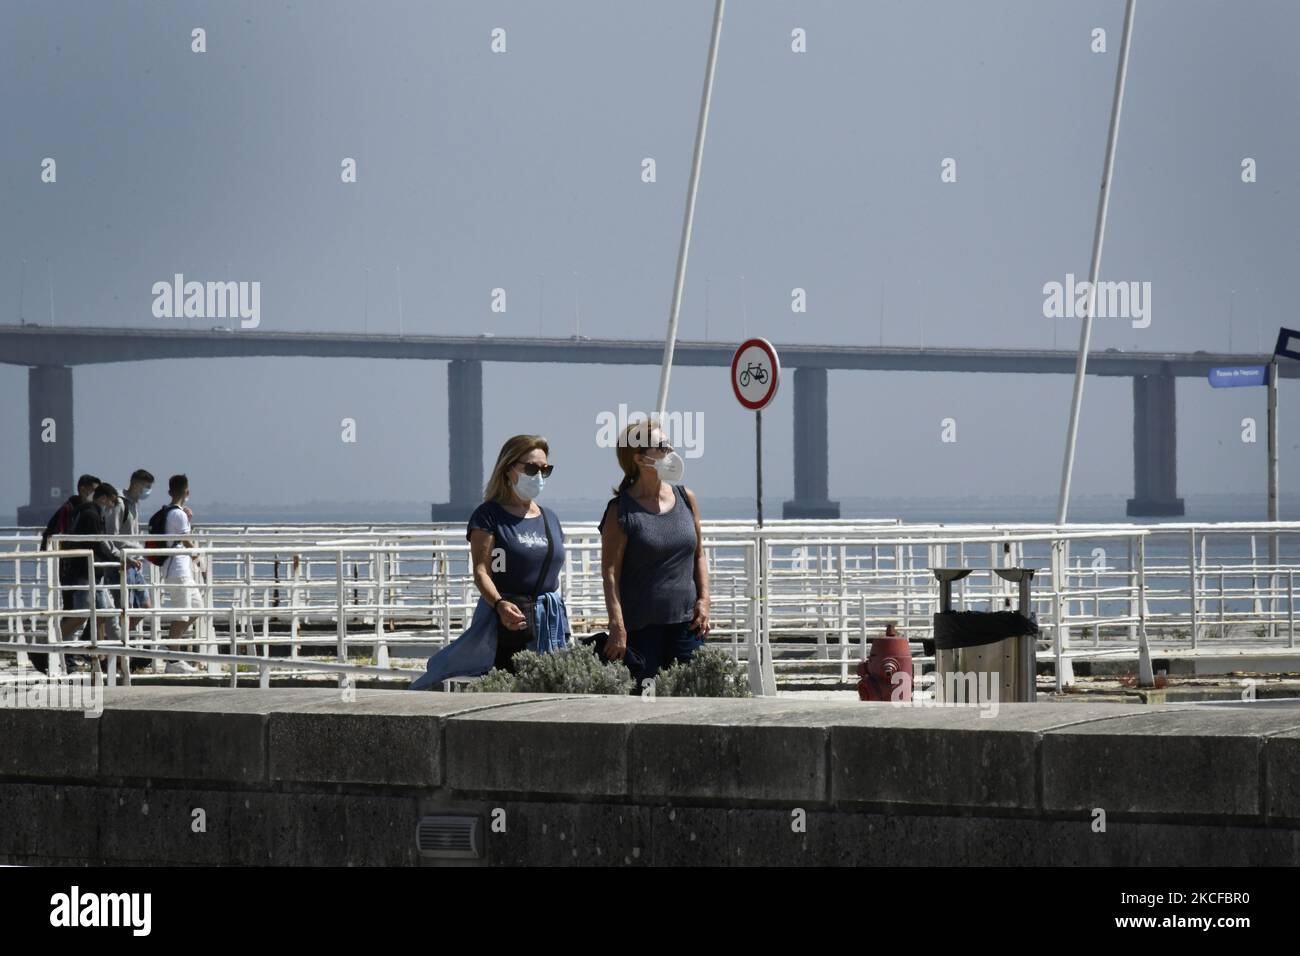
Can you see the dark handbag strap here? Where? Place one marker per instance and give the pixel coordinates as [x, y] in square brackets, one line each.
[681, 490]
[550, 551]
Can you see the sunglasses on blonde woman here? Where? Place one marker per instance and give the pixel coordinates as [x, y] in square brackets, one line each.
[531, 468]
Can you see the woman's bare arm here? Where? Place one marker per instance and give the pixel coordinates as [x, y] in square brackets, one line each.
[613, 543]
[481, 544]
[702, 602]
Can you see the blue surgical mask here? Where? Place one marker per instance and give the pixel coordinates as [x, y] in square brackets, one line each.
[529, 487]
[145, 492]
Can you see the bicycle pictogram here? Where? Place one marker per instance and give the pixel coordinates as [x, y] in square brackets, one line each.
[757, 371]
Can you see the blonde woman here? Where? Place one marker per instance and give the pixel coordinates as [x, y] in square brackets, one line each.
[653, 566]
[517, 550]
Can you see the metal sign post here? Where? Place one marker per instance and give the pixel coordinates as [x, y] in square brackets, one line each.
[755, 372]
[1287, 346]
[1273, 554]
[1266, 375]
[758, 463]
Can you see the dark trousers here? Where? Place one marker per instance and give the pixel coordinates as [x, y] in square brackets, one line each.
[660, 645]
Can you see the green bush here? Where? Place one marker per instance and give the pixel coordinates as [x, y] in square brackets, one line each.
[709, 673]
[572, 670]
[495, 681]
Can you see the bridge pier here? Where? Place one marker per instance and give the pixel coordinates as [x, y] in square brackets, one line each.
[811, 448]
[1155, 448]
[464, 440]
[49, 396]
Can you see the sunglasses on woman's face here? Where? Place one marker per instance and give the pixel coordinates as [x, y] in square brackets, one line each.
[532, 468]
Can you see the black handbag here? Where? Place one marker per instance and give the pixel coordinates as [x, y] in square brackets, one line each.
[527, 603]
[634, 661]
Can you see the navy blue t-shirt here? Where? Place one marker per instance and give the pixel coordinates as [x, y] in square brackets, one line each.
[519, 548]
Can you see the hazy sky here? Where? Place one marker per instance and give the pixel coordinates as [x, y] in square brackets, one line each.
[522, 170]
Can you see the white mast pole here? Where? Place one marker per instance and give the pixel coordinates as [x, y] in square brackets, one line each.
[688, 220]
[1103, 201]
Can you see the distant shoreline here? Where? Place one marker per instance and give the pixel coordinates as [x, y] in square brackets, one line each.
[1092, 508]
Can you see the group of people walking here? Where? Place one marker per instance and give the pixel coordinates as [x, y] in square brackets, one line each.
[653, 567]
[99, 509]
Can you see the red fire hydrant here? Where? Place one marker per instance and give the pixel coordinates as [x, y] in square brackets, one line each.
[890, 655]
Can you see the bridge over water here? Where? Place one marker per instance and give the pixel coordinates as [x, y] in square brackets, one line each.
[51, 353]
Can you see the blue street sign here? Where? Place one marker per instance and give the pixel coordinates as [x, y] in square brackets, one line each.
[1239, 376]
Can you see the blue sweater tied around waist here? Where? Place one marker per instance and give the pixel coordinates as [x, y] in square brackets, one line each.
[474, 652]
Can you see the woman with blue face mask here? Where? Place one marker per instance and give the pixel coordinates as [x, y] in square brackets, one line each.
[517, 550]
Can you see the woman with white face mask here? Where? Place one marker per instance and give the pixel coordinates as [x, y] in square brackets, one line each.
[517, 550]
[653, 566]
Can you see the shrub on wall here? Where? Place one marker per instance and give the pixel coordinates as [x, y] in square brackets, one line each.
[571, 670]
[709, 673]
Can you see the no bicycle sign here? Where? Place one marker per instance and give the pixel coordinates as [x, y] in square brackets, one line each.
[755, 371]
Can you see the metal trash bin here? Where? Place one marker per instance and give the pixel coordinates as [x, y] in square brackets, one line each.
[997, 647]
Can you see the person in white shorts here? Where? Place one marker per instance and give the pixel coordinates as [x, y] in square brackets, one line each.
[180, 584]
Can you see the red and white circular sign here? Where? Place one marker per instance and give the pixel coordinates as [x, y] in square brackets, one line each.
[755, 371]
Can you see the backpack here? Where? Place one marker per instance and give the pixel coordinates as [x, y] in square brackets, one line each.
[158, 526]
[63, 519]
[58, 524]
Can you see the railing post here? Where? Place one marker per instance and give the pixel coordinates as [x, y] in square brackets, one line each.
[1130, 586]
[1145, 677]
[233, 625]
[94, 617]
[1223, 609]
[341, 630]
[862, 625]
[1254, 577]
[753, 663]
[1193, 590]
[209, 613]
[446, 598]
[842, 632]
[1058, 612]
[769, 667]
[1290, 606]
[1096, 607]
[731, 620]
[380, 564]
[294, 568]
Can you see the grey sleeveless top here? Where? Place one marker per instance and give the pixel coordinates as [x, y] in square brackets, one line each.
[657, 583]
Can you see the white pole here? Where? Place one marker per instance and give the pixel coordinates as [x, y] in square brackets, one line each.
[1103, 201]
[688, 220]
[1273, 557]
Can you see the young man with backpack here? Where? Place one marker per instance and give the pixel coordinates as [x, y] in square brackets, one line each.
[89, 520]
[124, 520]
[173, 522]
[81, 578]
[60, 523]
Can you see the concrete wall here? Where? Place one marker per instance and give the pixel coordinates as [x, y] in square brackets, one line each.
[300, 776]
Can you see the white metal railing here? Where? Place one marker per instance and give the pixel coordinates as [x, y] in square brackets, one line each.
[348, 595]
